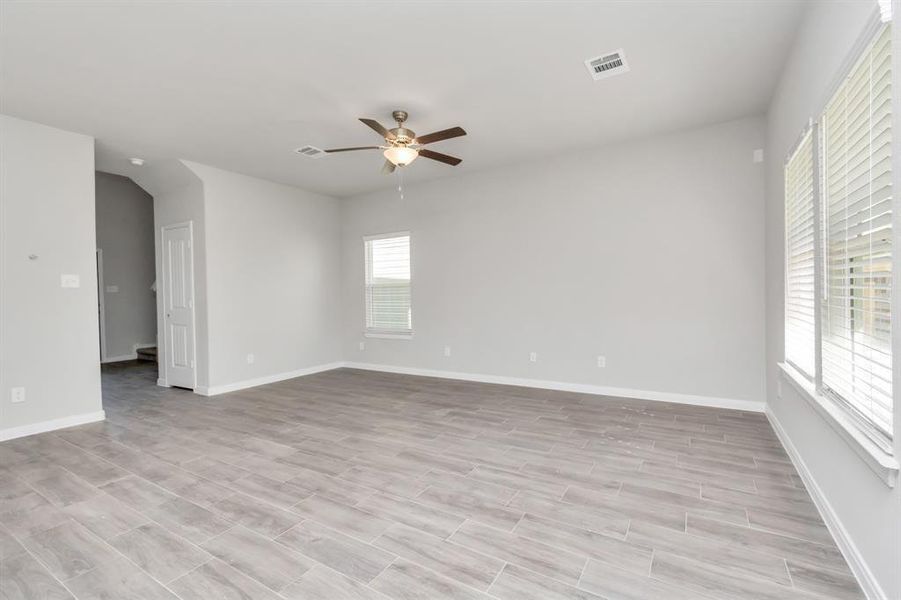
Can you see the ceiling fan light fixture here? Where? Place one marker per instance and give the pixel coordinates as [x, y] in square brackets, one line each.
[401, 156]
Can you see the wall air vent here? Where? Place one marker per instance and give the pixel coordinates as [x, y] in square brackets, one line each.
[311, 152]
[607, 65]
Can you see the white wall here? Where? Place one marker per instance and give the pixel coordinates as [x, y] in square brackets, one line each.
[47, 209]
[867, 510]
[273, 260]
[650, 253]
[124, 218]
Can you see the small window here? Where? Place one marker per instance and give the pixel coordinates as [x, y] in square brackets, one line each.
[388, 307]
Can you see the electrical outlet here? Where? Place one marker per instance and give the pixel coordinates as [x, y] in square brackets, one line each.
[362, 345]
[447, 351]
[112, 289]
[533, 357]
[602, 362]
[17, 394]
[250, 359]
[69, 281]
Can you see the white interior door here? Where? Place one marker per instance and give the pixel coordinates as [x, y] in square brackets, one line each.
[178, 305]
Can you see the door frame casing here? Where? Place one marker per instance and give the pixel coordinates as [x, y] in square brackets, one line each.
[161, 289]
[101, 303]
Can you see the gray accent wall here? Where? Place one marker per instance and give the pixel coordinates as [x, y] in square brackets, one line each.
[124, 213]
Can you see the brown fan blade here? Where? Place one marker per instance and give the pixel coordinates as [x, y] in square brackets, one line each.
[351, 149]
[444, 134]
[388, 168]
[450, 160]
[377, 127]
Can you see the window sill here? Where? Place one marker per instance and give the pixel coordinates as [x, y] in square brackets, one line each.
[388, 336]
[880, 462]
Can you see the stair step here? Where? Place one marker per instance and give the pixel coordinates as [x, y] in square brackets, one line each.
[147, 353]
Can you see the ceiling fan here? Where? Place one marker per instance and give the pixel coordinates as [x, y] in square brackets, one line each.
[402, 146]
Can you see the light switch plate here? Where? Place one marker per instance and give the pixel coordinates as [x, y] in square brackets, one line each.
[68, 280]
[533, 357]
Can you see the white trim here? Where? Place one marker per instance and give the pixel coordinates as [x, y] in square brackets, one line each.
[101, 308]
[12, 433]
[882, 464]
[845, 544]
[249, 383]
[405, 335]
[120, 358]
[583, 388]
[162, 382]
[384, 236]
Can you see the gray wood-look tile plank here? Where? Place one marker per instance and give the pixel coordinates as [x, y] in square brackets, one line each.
[24, 578]
[347, 555]
[322, 583]
[404, 580]
[453, 560]
[516, 583]
[612, 583]
[557, 563]
[188, 520]
[216, 580]
[120, 580]
[631, 555]
[840, 585]
[68, 550]
[266, 519]
[401, 510]
[161, 553]
[718, 581]
[347, 519]
[258, 557]
[106, 516]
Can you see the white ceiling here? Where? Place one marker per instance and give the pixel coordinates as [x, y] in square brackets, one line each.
[239, 85]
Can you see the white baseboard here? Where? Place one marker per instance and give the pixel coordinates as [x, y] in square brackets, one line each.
[52, 425]
[583, 388]
[249, 383]
[845, 544]
[120, 358]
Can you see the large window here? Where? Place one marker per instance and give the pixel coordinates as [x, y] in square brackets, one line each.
[800, 304]
[838, 210]
[388, 309]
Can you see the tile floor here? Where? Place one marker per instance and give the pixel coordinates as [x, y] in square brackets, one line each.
[360, 485]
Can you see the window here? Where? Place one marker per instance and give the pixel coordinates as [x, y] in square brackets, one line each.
[388, 309]
[857, 220]
[838, 247]
[800, 321]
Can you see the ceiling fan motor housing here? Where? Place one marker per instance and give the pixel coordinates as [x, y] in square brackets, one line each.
[402, 135]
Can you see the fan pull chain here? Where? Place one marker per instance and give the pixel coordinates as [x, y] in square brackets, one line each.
[400, 188]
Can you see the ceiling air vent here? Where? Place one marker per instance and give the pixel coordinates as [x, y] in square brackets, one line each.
[607, 65]
[311, 152]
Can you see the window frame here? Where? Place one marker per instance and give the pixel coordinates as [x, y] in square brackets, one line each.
[875, 450]
[381, 332]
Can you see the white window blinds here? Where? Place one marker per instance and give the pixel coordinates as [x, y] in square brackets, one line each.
[388, 283]
[857, 221]
[800, 320]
